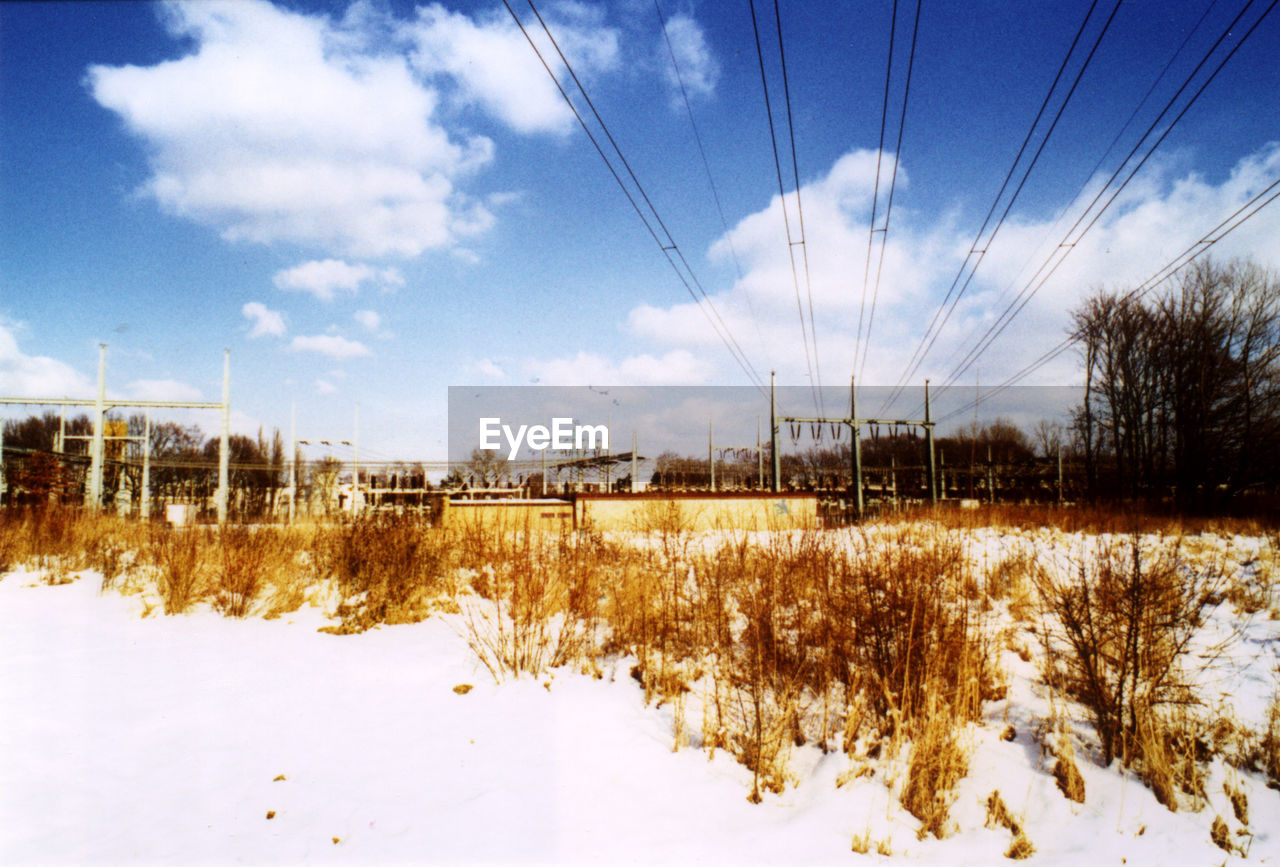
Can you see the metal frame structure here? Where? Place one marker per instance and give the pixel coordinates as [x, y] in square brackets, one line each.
[855, 424]
[100, 404]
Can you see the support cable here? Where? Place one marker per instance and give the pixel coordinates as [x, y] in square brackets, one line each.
[979, 248]
[668, 247]
[782, 196]
[888, 213]
[795, 170]
[1183, 259]
[1068, 243]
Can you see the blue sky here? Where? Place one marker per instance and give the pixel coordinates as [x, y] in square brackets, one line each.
[370, 202]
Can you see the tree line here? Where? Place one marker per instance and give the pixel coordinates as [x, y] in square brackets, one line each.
[1182, 389]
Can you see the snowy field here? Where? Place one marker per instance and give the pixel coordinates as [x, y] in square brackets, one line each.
[203, 739]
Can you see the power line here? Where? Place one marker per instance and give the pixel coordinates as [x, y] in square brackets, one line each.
[897, 161]
[782, 196]
[795, 170]
[1164, 71]
[935, 326]
[1068, 244]
[668, 247]
[706, 164]
[1186, 257]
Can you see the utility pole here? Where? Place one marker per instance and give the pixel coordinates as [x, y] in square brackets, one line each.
[855, 426]
[1059, 473]
[355, 467]
[635, 465]
[224, 445]
[857, 447]
[293, 462]
[775, 459]
[93, 491]
[145, 510]
[928, 429]
[759, 453]
[711, 453]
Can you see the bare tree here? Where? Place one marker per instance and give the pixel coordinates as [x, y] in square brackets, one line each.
[1182, 393]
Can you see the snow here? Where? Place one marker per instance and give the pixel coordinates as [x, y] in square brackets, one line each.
[200, 739]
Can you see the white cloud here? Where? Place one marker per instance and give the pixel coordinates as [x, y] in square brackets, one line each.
[329, 344]
[677, 367]
[283, 127]
[23, 375]
[265, 321]
[1162, 213]
[325, 387]
[326, 277]
[391, 279]
[494, 68]
[368, 318]
[699, 70]
[163, 389]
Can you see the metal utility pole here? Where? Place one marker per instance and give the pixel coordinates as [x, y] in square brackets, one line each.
[928, 430]
[224, 443]
[855, 425]
[95, 478]
[145, 510]
[355, 467]
[711, 453]
[775, 462]
[293, 462]
[93, 491]
[1059, 474]
[759, 455]
[856, 447]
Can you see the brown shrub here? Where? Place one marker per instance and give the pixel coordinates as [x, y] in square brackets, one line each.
[1125, 622]
[178, 555]
[1066, 774]
[387, 567]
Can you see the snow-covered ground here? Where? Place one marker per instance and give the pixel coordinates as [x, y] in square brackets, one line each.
[202, 739]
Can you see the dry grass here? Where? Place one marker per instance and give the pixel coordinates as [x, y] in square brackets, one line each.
[1065, 772]
[1120, 518]
[881, 641]
[1269, 748]
[252, 563]
[179, 557]
[536, 608]
[1020, 848]
[998, 815]
[1119, 633]
[388, 568]
[939, 760]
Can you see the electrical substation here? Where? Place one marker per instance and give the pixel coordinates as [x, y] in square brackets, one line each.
[809, 471]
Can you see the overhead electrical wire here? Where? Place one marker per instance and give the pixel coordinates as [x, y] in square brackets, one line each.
[706, 164]
[1242, 214]
[1164, 71]
[1068, 244]
[668, 246]
[795, 171]
[786, 220]
[859, 367]
[979, 248]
